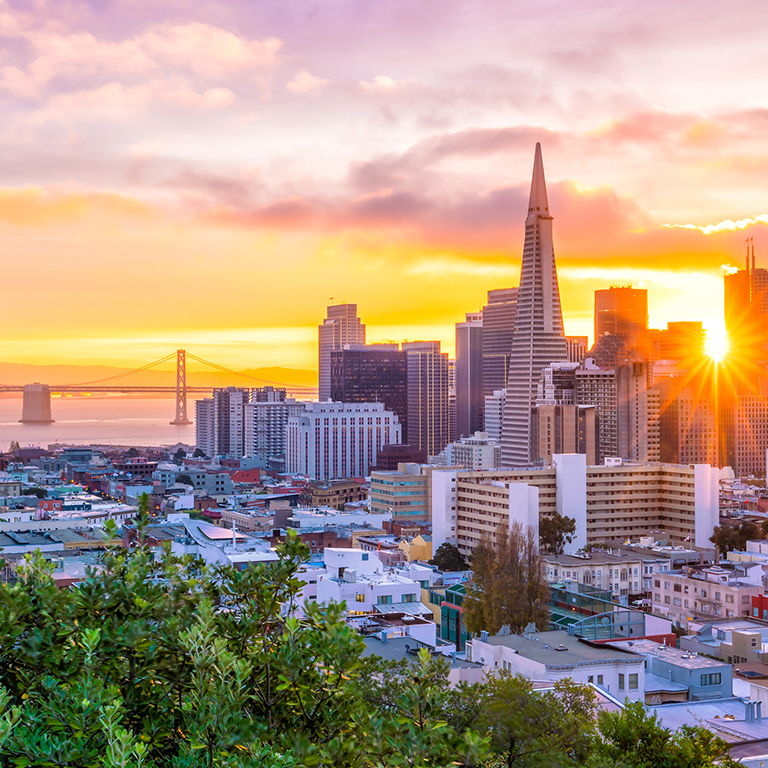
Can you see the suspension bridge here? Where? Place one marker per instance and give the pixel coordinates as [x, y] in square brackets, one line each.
[157, 377]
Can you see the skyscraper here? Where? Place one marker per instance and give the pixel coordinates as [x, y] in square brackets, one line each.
[623, 311]
[468, 371]
[498, 327]
[373, 373]
[341, 326]
[220, 422]
[428, 410]
[538, 338]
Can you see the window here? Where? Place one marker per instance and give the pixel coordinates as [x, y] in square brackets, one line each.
[711, 679]
[360, 598]
[621, 682]
[599, 679]
[633, 682]
[678, 588]
[409, 598]
[728, 598]
[591, 679]
[753, 642]
[381, 599]
[365, 556]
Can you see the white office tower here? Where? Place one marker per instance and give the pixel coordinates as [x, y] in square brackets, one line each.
[205, 436]
[329, 441]
[494, 413]
[538, 338]
[342, 326]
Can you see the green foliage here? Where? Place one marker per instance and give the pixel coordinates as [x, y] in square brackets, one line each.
[41, 493]
[635, 739]
[171, 664]
[735, 537]
[533, 729]
[448, 558]
[184, 478]
[555, 532]
[508, 585]
[199, 452]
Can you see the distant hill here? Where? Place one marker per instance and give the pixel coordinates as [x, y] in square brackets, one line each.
[15, 374]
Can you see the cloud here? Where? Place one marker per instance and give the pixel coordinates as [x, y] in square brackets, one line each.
[208, 50]
[116, 101]
[304, 82]
[68, 61]
[723, 226]
[385, 84]
[39, 207]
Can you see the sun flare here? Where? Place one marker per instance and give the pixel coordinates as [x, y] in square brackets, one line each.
[717, 344]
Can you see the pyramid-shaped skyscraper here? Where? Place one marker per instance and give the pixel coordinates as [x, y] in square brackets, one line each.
[538, 338]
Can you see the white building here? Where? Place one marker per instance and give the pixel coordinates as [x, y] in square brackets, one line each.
[552, 656]
[360, 579]
[477, 452]
[494, 413]
[329, 441]
[205, 436]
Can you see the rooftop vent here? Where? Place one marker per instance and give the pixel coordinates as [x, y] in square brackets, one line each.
[561, 648]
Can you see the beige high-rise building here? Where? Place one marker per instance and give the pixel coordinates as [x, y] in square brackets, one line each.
[613, 503]
[564, 429]
[341, 326]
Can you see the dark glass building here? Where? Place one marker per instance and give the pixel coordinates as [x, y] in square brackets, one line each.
[372, 374]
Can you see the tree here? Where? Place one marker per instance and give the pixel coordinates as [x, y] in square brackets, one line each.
[634, 738]
[173, 664]
[448, 558]
[508, 585]
[538, 728]
[735, 537]
[199, 452]
[185, 479]
[555, 532]
[14, 447]
[41, 493]
[132, 452]
[180, 455]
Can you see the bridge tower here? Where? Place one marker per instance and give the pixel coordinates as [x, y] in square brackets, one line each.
[36, 407]
[181, 388]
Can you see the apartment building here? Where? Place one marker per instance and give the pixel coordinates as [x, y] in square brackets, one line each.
[620, 502]
[708, 593]
[406, 493]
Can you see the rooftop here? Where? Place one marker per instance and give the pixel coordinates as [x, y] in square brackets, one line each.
[677, 656]
[558, 648]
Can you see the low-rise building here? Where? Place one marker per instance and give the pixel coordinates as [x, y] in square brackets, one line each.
[557, 655]
[692, 677]
[359, 577]
[334, 493]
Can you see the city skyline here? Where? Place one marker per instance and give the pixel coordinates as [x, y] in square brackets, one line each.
[305, 152]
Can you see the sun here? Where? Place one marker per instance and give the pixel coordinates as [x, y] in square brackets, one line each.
[716, 345]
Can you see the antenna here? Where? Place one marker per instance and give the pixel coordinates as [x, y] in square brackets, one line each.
[752, 240]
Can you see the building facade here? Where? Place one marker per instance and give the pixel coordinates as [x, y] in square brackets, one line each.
[498, 328]
[538, 339]
[338, 440]
[469, 376]
[374, 373]
[428, 401]
[341, 326]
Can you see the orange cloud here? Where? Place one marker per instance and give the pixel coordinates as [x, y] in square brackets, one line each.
[38, 207]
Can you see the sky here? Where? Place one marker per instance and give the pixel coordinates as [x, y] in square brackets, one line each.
[212, 175]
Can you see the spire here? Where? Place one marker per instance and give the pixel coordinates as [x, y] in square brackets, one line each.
[537, 203]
